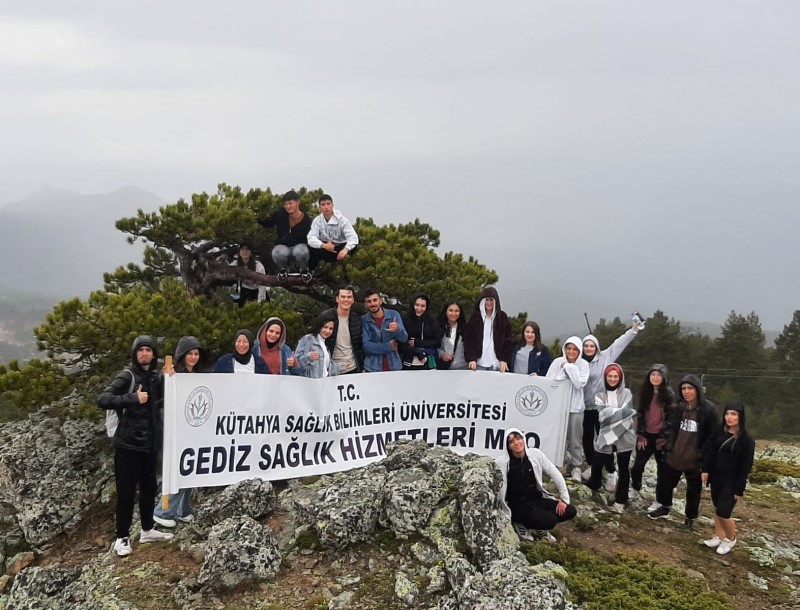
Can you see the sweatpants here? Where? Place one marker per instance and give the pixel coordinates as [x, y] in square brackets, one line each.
[667, 482]
[574, 433]
[540, 514]
[132, 469]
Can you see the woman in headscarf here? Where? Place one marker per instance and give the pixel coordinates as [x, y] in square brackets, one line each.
[271, 347]
[241, 360]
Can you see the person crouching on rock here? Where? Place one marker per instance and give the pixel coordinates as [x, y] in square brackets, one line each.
[733, 461]
[136, 394]
[523, 497]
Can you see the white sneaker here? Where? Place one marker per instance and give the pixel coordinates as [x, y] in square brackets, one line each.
[576, 474]
[611, 481]
[155, 536]
[122, 547]
[726, 546]
[654, 506]
[186, 519]
[587, 474]
[617, 508]
[712, 543]
[546, 536]
[170, 523]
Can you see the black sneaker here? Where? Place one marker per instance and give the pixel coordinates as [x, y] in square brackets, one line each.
[283, 275]
[306, 275]
[523, 532]
[662, 512]
[689, 524]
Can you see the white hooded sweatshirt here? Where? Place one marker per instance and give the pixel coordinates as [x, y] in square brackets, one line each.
[540, 465]
[577, 372]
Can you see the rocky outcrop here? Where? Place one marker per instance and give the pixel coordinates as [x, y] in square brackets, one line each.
[239, 550]
[52, 471]
[254, 498]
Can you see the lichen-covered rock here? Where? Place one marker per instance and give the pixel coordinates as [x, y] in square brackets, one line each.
[405, 589]
[410, 496]
[506, 584]
[343, 508]
[51, 471]
[780, 453]
[253, 498]
[40, 588]
[239, 550]
[478, 489]
[444, 528]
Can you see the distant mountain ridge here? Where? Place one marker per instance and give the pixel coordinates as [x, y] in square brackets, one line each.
[59, 243]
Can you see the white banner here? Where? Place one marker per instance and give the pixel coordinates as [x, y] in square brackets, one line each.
[220, 429]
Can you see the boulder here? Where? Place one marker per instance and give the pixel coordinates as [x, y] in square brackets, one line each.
[52, 472]
[239, 550]
[254, 498]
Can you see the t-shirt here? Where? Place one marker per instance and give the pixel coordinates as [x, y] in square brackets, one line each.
[654, 417]
[521, 359]
[343, 353]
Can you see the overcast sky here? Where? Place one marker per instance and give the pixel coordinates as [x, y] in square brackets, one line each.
[602, 157]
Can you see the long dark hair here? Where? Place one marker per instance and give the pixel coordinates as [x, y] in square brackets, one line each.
[251, 262]
[444, 323]
[665, 395]
[321, 320]
[537, 344]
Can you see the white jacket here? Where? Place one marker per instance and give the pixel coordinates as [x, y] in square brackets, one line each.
[337, 230]
[601, 360]
[577, 372]
[540, 465]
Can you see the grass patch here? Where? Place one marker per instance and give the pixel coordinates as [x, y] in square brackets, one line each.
[769, 471]
[634, 582]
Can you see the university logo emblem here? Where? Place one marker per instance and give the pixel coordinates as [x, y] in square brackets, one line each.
[198, 406]
[531, 401]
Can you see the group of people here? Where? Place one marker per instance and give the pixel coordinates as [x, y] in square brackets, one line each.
[300, 245]
[604, 426]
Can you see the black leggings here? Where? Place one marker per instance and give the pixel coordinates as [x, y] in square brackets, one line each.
[591, 428]
[623, 484]
[642, 456]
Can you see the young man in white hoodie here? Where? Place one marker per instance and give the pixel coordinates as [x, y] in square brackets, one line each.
[571, 366]
[332, 236]
[598, 361]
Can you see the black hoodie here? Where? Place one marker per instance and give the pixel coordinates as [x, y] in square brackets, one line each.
[733, 458]
[501, 330]
[707, 424]
[423, 329]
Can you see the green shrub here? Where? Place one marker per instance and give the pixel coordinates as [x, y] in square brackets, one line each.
[634, 582]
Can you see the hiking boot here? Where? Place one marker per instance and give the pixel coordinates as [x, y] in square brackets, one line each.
[611, 482]
[576, 474]
[726, 546]
[168, 523]
[662, 512]
[283, 275]
[154, 536]
[712, 543]
[523, 532]
[122, 547]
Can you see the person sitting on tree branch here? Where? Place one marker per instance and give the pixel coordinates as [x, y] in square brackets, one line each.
[332, 236]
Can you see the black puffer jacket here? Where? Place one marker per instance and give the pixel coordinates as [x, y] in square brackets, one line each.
[139, 424]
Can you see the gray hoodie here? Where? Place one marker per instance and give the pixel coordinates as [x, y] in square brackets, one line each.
[600, 361]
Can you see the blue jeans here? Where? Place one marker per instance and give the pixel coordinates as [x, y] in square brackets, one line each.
[180, 505]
